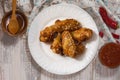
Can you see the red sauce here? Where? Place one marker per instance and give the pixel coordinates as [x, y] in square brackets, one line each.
[109, 55]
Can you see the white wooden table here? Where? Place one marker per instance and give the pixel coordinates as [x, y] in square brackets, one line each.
[16, 63]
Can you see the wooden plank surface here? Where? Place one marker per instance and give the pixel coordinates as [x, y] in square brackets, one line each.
[16, 63]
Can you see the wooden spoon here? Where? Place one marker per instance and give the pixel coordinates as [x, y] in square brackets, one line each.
[13, 26]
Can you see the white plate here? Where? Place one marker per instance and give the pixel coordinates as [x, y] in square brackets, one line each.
[42, 53]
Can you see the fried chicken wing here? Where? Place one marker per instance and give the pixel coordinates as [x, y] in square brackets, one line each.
[80, 48]
[82, 34]
[57, 44]
[68, 24]
[68, 44]
[46, 34]
[59, 26]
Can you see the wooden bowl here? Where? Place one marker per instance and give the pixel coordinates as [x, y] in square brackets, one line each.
[22, 20]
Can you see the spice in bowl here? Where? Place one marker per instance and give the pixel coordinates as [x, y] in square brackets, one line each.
[22, 22]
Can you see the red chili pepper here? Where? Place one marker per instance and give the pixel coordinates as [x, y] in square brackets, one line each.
[101, 34]
[116, 36]
[108, 21]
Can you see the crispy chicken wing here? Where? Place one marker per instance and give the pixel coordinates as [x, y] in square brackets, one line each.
[46, 35]
[80, 48]
[57, 44]
[68, 44]
[68, 24]
[82, 34]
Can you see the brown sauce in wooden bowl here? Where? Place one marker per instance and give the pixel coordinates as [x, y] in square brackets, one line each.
[109, 55]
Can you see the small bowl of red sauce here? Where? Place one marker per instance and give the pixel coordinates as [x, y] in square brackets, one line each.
[22, 21]
[109, 55]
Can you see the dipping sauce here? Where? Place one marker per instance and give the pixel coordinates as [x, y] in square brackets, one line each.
[109, 55]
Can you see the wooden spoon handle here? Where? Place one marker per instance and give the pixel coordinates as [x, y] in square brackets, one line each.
[13, 8]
